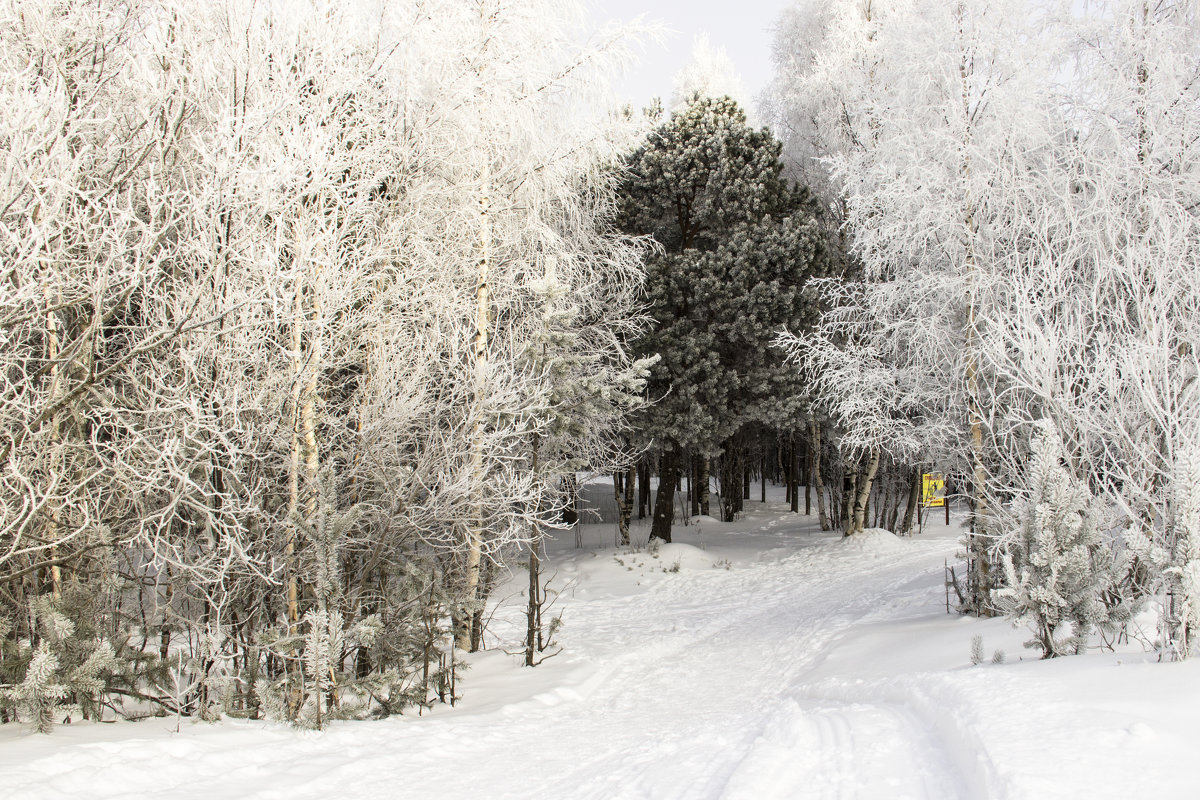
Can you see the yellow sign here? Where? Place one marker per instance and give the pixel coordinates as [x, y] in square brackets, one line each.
[933, 490]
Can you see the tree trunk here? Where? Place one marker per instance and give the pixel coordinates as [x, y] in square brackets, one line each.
[814, 439]
[483, 302]
[293, 523]
[630, 483]
[570, 512]
[731, 485]
[807, 480]
[623, 508]
[880, 506]
[702, 485]
[980, 573]
[51, 532]
[533, 611]
[694, 484]
[793, 473]
[643, 487]
[914, 497]
[308, 415]
[980, 579]
[762, 476]
[786, 454]
[664, 499]
[849, 493]
[897, 489]
[482, 592]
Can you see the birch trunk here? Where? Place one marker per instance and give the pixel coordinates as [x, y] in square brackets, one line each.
[623, 508]
[308, 415]
[977, 539]
[862, 496]
[482, 331]
[293, 528]
[54, 474]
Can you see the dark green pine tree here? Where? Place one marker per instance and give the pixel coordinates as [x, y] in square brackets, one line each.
[738, 246]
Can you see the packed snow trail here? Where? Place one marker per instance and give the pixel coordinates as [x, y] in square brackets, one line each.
[687, 689]
[779, 662]
[696, 668]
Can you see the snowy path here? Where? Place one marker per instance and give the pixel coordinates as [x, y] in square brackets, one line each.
[700, 668]
[810, 668]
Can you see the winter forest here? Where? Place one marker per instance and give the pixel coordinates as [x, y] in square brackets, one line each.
[375, 367]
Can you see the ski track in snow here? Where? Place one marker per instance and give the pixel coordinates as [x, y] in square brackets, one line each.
[813, 667]
[720, 674]
[701, 683]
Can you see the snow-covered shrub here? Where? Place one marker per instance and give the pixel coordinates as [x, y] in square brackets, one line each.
[1056, 563]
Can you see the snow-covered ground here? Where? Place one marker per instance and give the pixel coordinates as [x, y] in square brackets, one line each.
[759, 659]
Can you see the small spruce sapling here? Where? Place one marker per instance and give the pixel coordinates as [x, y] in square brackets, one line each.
[1056, 564]
[1183, 576]
[63, 674]
[977, 649]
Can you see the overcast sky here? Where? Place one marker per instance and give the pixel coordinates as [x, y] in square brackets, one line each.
[742, 27]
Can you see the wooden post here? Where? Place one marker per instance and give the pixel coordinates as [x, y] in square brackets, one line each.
[946, 582]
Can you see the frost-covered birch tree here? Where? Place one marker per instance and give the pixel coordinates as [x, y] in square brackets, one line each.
[923, 107]
[1031, 166]
[515, 148]
[274, 400]
[1131, 233]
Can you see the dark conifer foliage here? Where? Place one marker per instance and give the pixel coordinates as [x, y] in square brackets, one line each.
[738, 246]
